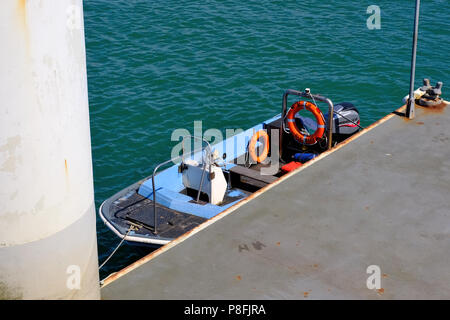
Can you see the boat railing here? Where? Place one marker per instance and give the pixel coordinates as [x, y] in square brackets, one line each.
[307, 94]
[182, 157]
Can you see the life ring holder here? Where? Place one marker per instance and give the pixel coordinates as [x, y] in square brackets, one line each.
[311, 107]
[252, 146]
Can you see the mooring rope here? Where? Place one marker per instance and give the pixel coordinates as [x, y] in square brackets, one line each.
[123, 239]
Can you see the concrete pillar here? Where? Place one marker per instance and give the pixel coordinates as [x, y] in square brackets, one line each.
[48, 247]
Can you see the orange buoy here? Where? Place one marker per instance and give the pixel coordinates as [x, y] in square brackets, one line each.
[252, 150]
[318, 134]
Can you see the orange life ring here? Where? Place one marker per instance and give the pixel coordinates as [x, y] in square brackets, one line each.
[252, 150]
[318, 134]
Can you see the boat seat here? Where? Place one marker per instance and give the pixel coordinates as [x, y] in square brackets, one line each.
[253, 175]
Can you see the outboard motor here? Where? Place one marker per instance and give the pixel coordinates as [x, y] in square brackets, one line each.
[345, 121]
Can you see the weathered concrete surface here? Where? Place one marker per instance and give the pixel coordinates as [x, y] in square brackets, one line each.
[383, 199]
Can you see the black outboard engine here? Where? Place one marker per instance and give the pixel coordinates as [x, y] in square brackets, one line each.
[345, 121]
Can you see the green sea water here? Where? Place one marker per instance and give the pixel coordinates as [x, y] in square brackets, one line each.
[155, 66]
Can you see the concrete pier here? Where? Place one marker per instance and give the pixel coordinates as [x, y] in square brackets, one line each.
[380, 199]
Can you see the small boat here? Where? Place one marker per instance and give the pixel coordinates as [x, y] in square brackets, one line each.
[203, 183]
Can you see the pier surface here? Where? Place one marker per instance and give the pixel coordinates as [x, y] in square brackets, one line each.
[381, 199]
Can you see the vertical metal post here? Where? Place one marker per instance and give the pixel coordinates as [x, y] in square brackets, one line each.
[283, 113]
[410, 112]
[155, 218]
[330, 123]
[201, 182]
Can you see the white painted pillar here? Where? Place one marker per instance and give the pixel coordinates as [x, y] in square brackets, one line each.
[48, 247]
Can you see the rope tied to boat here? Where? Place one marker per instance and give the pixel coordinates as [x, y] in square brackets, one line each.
[131, 228]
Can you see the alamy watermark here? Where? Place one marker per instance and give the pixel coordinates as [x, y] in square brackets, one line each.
[73, 281]
[374, 20]
[234, 147]
[374, 280]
